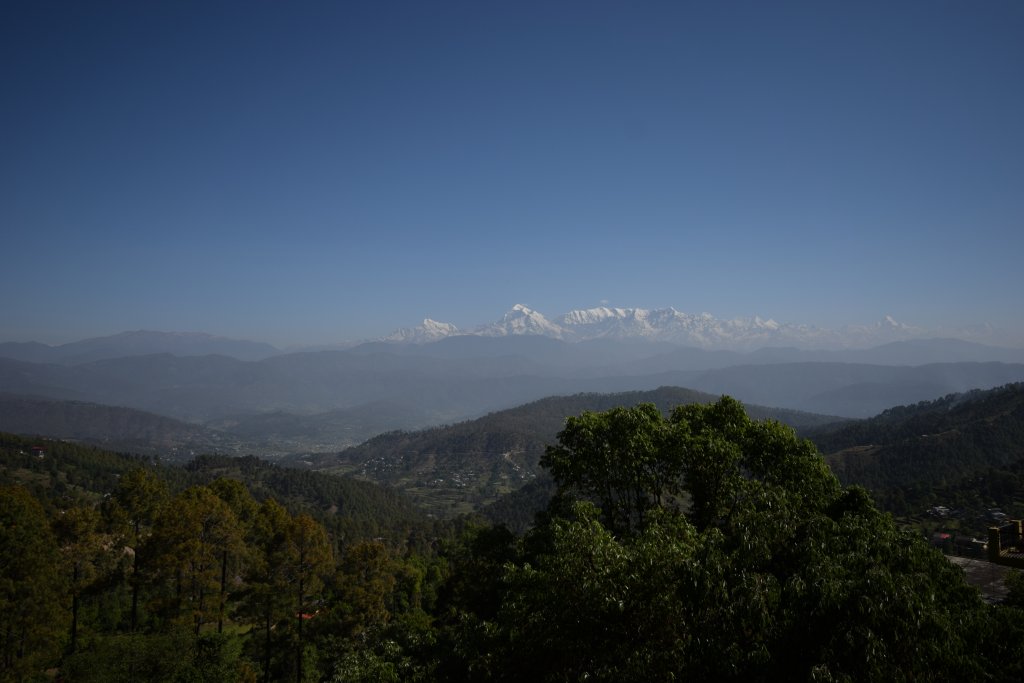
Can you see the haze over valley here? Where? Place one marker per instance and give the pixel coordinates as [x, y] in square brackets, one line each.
[235, 396]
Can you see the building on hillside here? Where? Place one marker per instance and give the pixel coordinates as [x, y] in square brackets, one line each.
[1005, 544]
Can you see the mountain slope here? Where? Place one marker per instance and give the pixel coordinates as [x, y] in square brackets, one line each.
[852, 390]
[350, 508]
[457, 467]
[949, 438]
[59, 472]
[115, 428]
[137, 343]
[462, 377]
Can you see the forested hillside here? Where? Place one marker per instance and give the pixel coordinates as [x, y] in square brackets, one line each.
[351, 509]
[115, 569]
[58, 472]
[459, 467]
[112, 427]
[62, 472]
[157, 572]
[929, 442]
[963, 452]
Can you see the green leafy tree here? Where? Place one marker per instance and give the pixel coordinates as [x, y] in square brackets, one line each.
[357, 610]
[745, 560]
[310, 559]
[236, 555]
[85, 551]
[363, 585]
[174, 654]
[32, 588]
[290, 556]
[138, 499]
[620, 459]
[191, 538]
[266, 601]
[237, 497]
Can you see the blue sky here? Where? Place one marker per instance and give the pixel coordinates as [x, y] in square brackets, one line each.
[312, 172]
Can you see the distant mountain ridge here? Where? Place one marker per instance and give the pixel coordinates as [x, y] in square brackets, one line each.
[852, 389]
[701, 330]
[137, 343]
[466, 376]
[112, 427]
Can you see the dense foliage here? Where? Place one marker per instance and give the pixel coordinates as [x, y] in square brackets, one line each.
[114, 568]
[930, 441]
[698, 545]
[770, 571]
[349, 508]
[962, 452]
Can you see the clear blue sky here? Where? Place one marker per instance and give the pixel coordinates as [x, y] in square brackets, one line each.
[310, 172]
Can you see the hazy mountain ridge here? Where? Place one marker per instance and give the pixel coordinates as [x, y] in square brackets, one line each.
[852, 389]
[462, 377]
[111, 427]
[136, 343]
[701, 330]
[666, 325]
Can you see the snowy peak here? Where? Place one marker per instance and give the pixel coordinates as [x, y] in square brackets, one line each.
[665, 324]
[768, 324]
[701, 330]
[522, 320]
[890, 323]
[614, 323]
[426, 332]
[591, 316]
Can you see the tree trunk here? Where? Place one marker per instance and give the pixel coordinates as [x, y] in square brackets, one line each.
[177, 593]
[223, 591]
[74, 609]
[298, 653]
[199, 612]
[266, 656]
[135, 579]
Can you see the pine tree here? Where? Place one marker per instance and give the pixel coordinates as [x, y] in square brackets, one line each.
[32, 589]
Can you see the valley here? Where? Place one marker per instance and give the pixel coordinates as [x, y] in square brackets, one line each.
[461, 421]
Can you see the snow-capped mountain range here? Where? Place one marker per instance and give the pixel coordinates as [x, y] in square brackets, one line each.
[701, 330]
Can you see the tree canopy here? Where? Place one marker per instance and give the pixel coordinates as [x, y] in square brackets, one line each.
[697, 544]
[707, 545]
